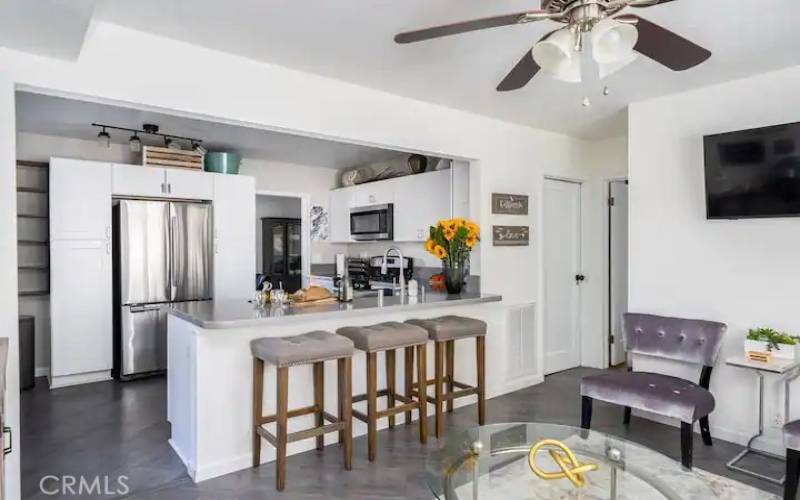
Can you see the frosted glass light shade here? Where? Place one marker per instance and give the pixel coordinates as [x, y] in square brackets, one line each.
[556, 55]
[613, 41]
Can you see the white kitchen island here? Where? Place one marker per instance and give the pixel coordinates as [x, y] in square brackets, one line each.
[210, 369]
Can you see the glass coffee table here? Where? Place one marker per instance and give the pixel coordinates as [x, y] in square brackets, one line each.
[494, 462]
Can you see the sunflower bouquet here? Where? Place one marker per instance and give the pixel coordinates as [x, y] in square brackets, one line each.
[451, 241]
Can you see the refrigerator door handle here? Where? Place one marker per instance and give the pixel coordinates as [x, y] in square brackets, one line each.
[172, 276]
[141, 309]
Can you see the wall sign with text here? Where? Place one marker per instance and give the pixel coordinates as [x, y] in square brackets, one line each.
[511, 236]
[509, 204]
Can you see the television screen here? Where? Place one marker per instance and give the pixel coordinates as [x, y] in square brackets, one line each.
[753, 173]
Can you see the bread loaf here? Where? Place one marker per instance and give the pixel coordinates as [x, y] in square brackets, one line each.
[311, 294]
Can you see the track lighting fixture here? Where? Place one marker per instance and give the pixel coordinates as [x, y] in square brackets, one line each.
[135, 142]
[103, 139]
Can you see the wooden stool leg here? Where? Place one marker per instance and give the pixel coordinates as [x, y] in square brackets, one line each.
[372, 404]
[450, 352]
[319, 400]
[437, 380]
[346, 409]
[480, 349]
[390, 383]
[422, 377]
[283, 400]
[408, 374]
[258, 402]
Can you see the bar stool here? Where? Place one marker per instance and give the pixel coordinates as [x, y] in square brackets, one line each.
[309, 348]
[388, 337]
[444, 331]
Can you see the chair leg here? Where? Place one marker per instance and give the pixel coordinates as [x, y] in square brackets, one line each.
[792, 474]
[283, 399]
[437, 381]
[480, 351]
[390, 385]
[422, 389]
[258, 402]
[687, 443]
[705, 431]
[372, 405]
[586, 412]
[408, 374]
[346, 409]
[319, 400]
[626, 416]
[450, 348]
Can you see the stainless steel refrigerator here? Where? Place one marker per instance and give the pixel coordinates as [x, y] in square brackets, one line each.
[162, 256]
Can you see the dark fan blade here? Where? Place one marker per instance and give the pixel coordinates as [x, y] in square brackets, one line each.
[652, 4]
[522, 73]
[667, 48]
[463, 27]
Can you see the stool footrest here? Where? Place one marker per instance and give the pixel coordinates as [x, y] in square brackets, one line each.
[360, 415]
[301, 435]
[299, 412]
[363, 397]
[388, 412]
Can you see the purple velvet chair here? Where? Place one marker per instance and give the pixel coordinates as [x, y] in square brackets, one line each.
[687, 340]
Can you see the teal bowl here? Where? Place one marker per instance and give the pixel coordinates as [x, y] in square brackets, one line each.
[222, 163]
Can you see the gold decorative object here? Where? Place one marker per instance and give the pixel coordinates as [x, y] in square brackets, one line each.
[760, 356]
[564, 458]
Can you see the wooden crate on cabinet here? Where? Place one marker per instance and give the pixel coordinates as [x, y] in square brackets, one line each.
[172, 158]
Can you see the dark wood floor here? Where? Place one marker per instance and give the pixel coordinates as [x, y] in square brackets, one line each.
[112, 429]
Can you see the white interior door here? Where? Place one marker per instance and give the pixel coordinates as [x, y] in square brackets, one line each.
[618, 267]
[562, 258]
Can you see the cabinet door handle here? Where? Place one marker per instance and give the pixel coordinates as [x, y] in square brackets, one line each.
[108, 232]
[163, 188]
[169, 188]
[108, 248]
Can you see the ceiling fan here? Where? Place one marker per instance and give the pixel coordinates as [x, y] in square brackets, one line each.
[613, 38]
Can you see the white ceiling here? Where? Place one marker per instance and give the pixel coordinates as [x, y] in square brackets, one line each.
[53, 28]
[352, 40]
[56, 116]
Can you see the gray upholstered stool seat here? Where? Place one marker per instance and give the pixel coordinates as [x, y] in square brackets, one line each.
[307, 348]
[446, 328]
[383, 336]
[791, 435]
[654, 392]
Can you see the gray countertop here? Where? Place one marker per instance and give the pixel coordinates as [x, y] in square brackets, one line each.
[239, 314]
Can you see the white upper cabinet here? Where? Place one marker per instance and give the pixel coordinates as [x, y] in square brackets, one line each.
[234, 236]
[374, 193]
[136, 180]
[152, 182]
[189, 184]
[80, 200]
[340, 203]
[420, 200]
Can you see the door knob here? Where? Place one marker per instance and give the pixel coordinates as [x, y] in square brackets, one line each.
[579, 278]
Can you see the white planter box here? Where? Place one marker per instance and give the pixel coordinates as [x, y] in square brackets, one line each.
[786, 351]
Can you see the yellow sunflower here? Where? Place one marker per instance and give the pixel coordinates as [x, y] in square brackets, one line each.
[429, 245]
[439, 252]
[474, 229]
[471, 240]
[449, 234]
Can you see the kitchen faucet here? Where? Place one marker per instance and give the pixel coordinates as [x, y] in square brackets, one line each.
[384, 267]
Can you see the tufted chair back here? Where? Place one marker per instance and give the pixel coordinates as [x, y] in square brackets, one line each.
[688, 340]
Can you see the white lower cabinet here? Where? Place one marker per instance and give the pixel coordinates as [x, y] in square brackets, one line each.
[80, 311]
[234, 237]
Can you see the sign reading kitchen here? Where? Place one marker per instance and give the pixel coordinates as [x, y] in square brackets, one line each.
[509, 204]
[509, 236]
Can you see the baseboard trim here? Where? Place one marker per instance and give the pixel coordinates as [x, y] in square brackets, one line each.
[42, 371]
[188, 463]
[56, 382]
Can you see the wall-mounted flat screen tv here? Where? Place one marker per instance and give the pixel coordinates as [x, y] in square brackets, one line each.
[753, 173]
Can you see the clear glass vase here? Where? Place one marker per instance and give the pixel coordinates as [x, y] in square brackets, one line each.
[454, 276]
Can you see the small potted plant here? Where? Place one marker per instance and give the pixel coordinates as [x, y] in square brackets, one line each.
[779, 344]
[451, 241]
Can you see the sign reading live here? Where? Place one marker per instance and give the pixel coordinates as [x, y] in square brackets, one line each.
[509, 236]
[509, 204]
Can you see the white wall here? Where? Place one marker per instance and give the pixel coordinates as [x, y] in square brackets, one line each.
[509, 158]
[272, 206]
[743, 273]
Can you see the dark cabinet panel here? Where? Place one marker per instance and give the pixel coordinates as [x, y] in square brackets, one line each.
[282, 251]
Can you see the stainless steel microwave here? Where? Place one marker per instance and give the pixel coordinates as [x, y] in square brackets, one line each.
[372, 223]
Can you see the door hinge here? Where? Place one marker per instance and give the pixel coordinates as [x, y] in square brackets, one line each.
[610, 201]
[610, 339]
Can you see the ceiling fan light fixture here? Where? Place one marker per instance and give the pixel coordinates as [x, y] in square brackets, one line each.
[613, 41]
[556, 55]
